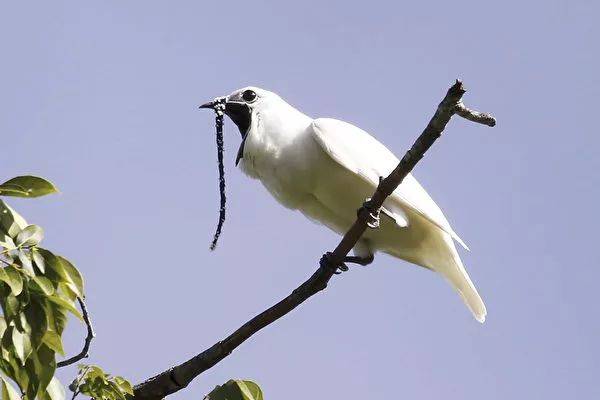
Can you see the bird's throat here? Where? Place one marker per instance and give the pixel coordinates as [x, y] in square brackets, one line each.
[241, 115]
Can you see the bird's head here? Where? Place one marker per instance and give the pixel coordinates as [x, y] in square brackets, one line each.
[243, 104]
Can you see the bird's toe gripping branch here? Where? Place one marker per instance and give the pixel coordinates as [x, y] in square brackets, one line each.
[369, 214]
[327, 261]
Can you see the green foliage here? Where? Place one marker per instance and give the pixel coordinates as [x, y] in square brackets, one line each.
[38, 290]
[8, 392]
[92, 381]
[27, 186]
[236, 390]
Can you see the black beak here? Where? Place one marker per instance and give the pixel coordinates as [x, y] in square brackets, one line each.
[210, 104]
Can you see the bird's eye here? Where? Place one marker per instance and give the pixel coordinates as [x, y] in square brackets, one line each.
[249, 96]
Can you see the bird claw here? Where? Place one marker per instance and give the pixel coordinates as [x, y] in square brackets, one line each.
[372, 216]
[326, 262]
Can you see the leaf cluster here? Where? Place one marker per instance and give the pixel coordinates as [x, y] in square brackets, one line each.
[92, 381]
[236, 390]
[38, 290]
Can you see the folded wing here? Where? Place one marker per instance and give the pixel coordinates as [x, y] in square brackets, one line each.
[362, 154]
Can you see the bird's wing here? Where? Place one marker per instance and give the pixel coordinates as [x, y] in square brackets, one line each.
[362, 154]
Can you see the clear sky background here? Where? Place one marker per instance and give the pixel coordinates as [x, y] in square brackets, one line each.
[101, 97]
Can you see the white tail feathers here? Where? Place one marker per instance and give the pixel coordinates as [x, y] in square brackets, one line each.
[454, 271]
[471, 298]
[441, 256]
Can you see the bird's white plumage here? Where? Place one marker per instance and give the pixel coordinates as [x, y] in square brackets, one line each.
[362, 154]
[326, 168]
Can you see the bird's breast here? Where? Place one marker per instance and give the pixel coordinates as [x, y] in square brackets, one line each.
[283, 163]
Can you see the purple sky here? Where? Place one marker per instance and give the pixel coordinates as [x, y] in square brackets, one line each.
[101, 98]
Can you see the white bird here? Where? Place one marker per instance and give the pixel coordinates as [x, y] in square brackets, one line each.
[327, 168]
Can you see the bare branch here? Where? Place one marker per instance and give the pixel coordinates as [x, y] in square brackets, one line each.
[475, 116]
[178, 377]
[88, 339]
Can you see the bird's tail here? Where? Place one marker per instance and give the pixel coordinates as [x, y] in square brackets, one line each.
[439, 254]
[452, 268]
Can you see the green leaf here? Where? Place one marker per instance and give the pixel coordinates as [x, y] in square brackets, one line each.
[13, 278]
[66, 304]
[54, 341]
[31, 235]
[27, 186]
[22, 324]
[95, 372]
[6, 343]
[22, 345]
[236, 390]
[44, 366]
[52, 265]
[250, 389]
[57, 317]
[61, 270]
[74, 277]
[124, 385]
[8, 391]
[32, 383]
[38, 259]
[11, 222]
[20, 375]
[92, 381]
[6, 241]
[66, 291]
[3, 326]
[55, 390]
[4, 353]
[43, 284]
[11, 306]
[25, 260]
[35, 314]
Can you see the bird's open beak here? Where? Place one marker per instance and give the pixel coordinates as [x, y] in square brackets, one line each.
[210, 104]
[216, 101]
[239, 112]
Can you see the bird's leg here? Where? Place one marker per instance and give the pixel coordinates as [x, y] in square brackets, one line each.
[326, 262]
[370, 215]
[364, 261]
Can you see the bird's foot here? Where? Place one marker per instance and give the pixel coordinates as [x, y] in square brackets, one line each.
[370, 215]
[327, 262]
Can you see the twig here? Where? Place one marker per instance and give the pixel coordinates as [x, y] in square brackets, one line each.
[74, 386]
[88, 339]
[178, 377]
[474, 116]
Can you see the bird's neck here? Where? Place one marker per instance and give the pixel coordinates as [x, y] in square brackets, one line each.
[279, 127]
[271, 138]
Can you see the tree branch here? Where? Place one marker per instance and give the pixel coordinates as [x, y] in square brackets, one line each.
[88, 339]
[178, 377]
